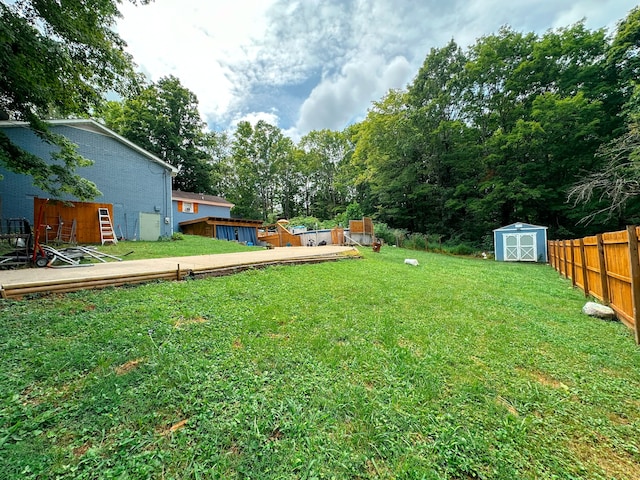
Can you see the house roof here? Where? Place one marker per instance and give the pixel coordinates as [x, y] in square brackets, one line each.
[201, 198]
[240, 222]
[95, 127]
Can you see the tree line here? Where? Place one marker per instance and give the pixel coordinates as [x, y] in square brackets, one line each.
[516, 127]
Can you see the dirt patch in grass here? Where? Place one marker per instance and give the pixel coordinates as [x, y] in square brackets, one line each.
[237, 344]
[30, 398]
[81, 450]
[505, 403]
[411, 346]
[182, 322]
[614, 463]
[128, 366]
[544, 379]
[275, 336]
[276, 435]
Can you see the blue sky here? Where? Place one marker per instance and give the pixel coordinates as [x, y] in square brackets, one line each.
[309, 64]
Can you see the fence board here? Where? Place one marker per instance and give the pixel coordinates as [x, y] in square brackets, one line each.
[605, 266]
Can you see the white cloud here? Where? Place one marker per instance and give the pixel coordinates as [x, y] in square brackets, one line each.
[254, 117]
[311, 64]
[195, 41]
[334, 102]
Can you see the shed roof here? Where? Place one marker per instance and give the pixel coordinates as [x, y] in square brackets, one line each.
[201, 198]
[512, 226]
[91, 125]
[239, 222]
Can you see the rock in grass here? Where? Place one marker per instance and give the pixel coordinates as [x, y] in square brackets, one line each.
[599, 311]
[411, 261]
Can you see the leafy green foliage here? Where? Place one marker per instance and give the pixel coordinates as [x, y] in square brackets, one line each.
[495, 134]
[61, 57]
[457, 368]
[264, 171]
[164, 120]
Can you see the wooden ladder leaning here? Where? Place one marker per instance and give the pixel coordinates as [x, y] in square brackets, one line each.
[106, 227]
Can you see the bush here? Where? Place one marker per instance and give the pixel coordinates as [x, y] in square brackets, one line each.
[461, 249]
[416, 241]
[390, 236]
[177, 236]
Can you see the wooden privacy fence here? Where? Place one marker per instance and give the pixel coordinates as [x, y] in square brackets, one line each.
[607, 267]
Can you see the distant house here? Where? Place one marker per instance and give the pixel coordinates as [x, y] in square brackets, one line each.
[135, 184]
[210, 216]
[188, 206]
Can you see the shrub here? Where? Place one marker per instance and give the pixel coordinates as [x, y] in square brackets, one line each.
[177, 236]
[416, 241]
[390, 236]
[461, 249]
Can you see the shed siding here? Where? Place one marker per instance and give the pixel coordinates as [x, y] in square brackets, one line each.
[132, 183]
[541, 240]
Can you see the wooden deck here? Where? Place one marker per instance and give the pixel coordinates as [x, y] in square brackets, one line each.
[21, 282]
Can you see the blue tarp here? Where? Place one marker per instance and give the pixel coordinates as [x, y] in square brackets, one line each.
[247, 234]
[224, 232]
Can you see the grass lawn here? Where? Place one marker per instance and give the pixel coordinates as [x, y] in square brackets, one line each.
[455, 369]
[190, 245]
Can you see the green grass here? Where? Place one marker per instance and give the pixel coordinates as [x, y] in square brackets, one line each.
[189, 245]
[456, 369]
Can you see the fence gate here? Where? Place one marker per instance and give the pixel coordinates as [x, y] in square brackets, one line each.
[520, 247]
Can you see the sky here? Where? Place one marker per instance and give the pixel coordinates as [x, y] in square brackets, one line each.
[307, 65]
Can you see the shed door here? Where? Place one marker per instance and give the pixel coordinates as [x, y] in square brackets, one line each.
[520, 247]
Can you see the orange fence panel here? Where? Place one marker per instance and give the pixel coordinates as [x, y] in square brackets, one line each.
[605, 266]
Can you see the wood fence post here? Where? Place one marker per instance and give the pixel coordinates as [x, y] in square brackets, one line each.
[566, 262]
[603, 270]
[635, 278]
[573, 264]
[585, 271]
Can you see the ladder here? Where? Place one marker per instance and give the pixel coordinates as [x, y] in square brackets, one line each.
[106, 228]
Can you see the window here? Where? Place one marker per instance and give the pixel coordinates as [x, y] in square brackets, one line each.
[187, 207]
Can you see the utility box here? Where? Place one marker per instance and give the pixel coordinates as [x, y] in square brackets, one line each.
[520, 242]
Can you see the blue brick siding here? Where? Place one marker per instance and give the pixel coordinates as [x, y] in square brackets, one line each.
[127, 179]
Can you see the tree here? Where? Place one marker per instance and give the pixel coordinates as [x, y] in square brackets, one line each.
[164, 119]
[261, 156]
[62, 57]
[326, 153]
[613, 191]
[217, 146]
[618, 182]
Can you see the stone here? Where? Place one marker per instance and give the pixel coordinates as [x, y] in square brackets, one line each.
[411, 261]
[599, 311]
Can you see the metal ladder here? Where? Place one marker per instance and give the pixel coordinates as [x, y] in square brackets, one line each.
[106, 228]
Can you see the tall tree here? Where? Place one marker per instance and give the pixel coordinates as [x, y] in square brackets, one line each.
[242, 190]
[164, 119]
[326, 152]
[260, 155]
[62, 57]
